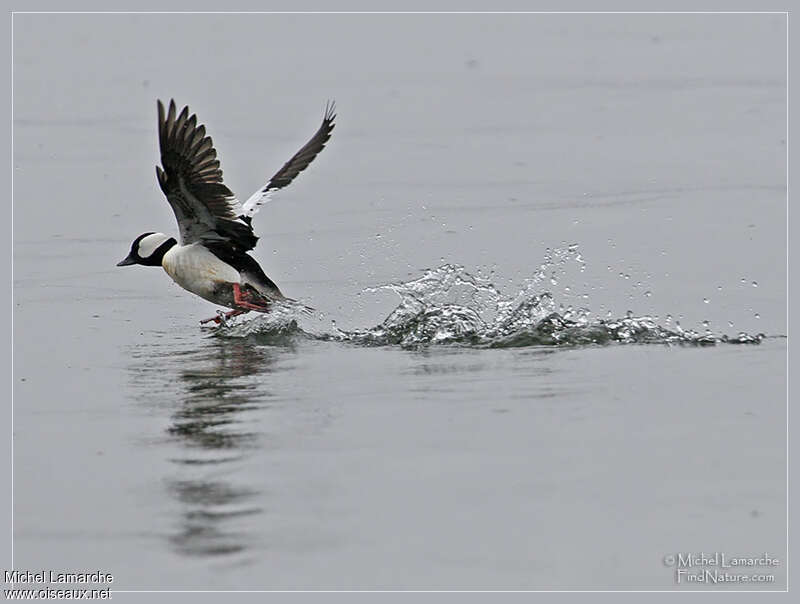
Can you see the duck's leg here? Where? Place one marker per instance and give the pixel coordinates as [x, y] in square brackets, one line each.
[221, 317]
[216, 319]
[241, 300]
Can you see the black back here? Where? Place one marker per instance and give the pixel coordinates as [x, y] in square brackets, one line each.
[241, 261]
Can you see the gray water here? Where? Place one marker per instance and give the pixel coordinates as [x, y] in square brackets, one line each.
[529, 246]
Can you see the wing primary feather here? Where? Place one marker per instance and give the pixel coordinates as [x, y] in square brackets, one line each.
[171, 117]
[185, 134]
[198, 137]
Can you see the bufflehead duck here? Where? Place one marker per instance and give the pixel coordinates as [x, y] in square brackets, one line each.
[216, 232]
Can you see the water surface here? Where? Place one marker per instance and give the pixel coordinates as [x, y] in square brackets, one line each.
[526, 249]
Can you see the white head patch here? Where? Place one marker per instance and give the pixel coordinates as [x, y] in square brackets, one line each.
[150, 244]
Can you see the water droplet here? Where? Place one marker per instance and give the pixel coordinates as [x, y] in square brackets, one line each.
[705, 323]
[730, 323]
[377, 236]
[743, 280]
[706, 300]
[629, 314]
[757, 316]
[754, 284]
[648, 293]
[627, 276]
[668, 319]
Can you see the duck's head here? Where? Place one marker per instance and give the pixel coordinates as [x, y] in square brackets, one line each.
[148, 249]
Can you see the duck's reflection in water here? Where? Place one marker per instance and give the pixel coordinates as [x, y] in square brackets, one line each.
[216, 387]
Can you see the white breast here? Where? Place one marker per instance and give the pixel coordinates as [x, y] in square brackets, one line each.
[196, 269]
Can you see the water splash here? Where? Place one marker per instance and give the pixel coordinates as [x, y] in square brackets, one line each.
[449, 305]
[279, 326]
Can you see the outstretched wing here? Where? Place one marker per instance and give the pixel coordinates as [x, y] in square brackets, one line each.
[294, 166]
[191, 179]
